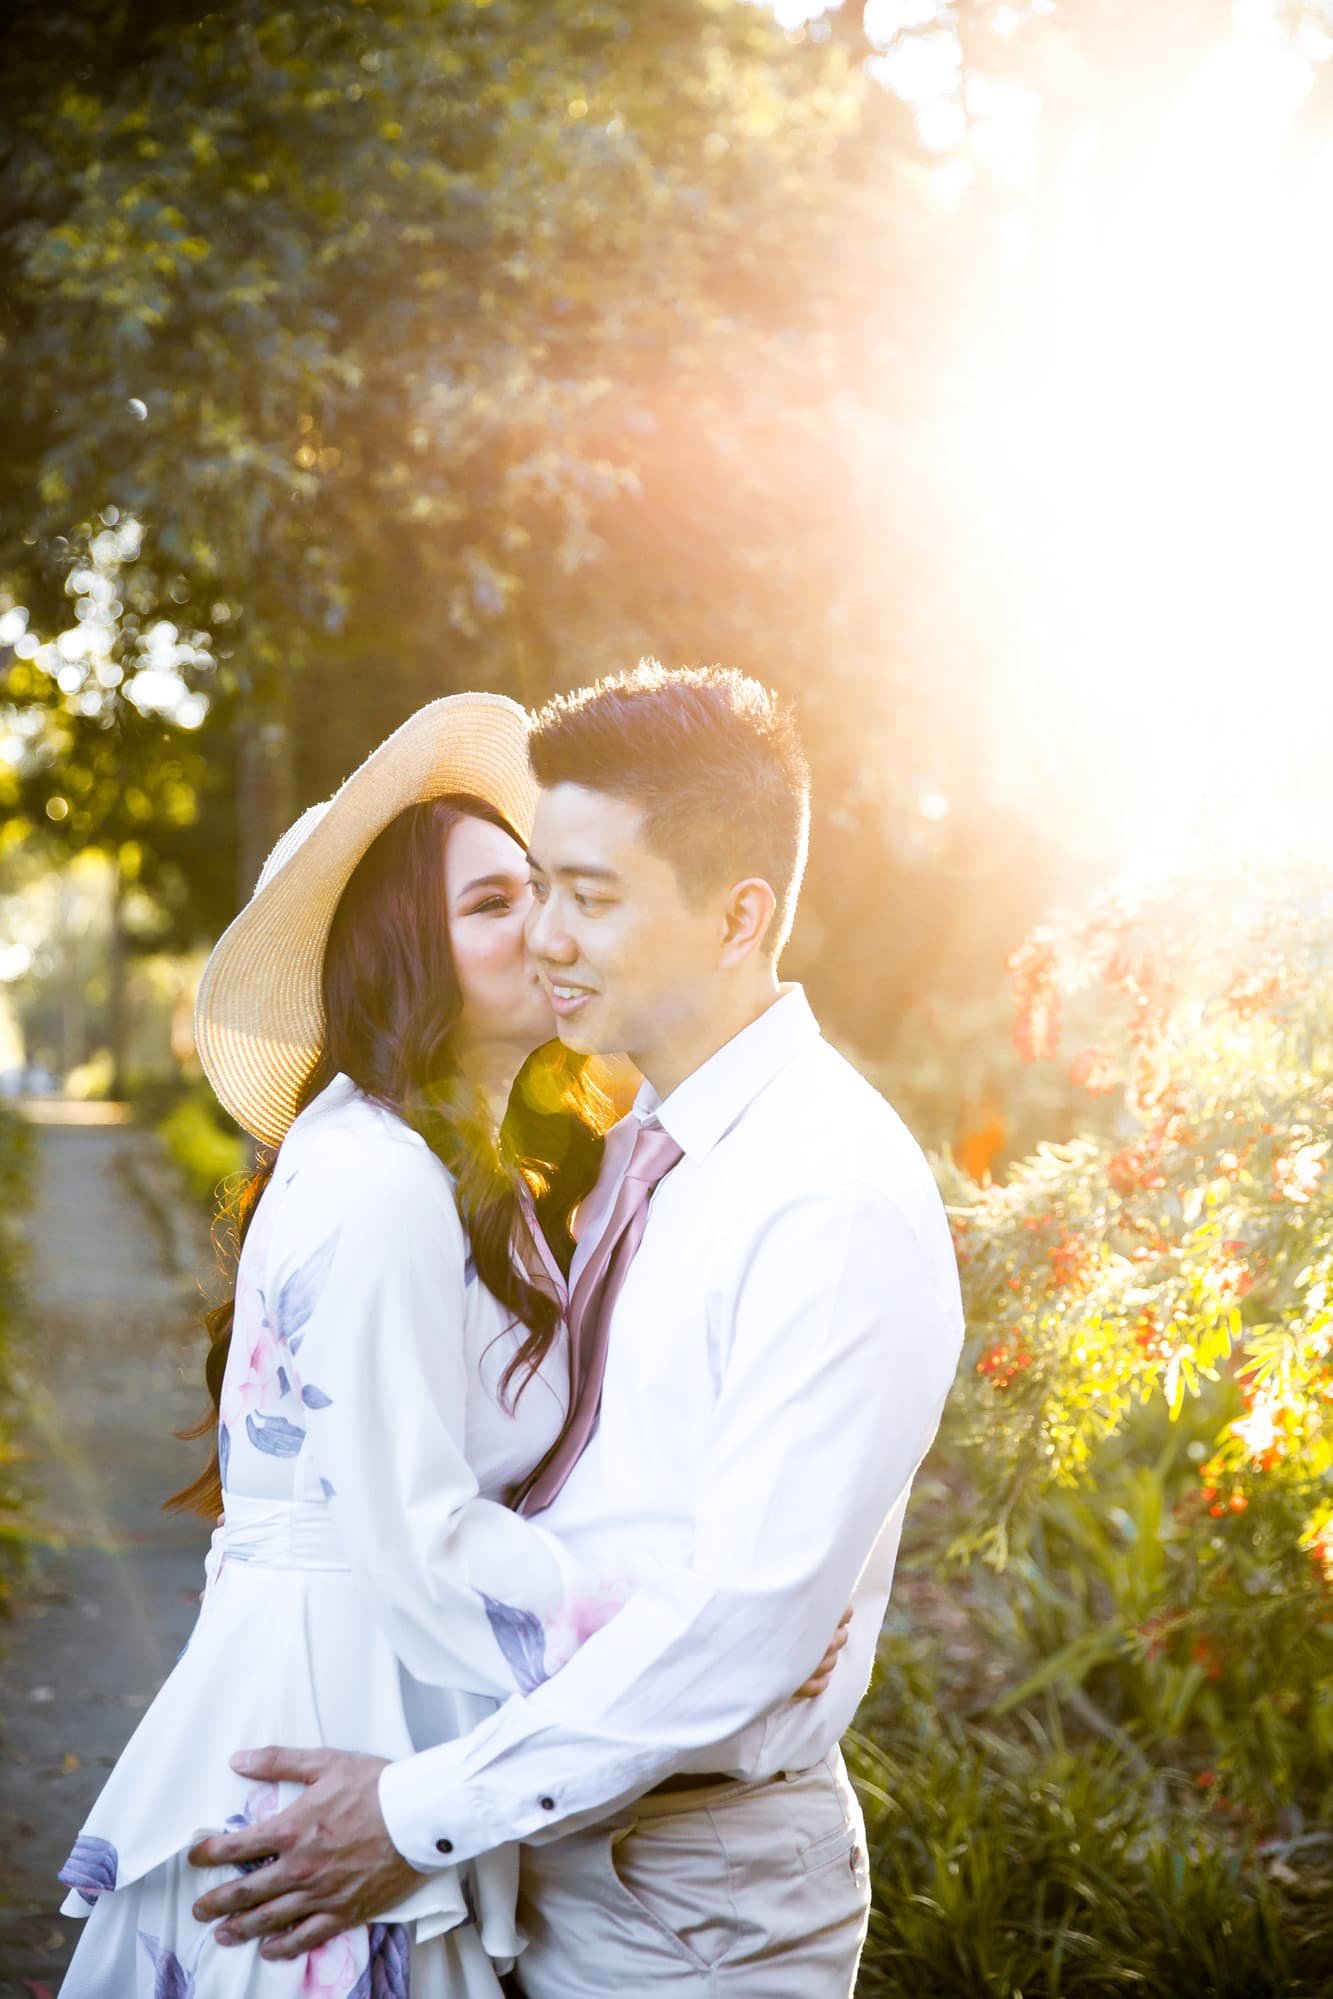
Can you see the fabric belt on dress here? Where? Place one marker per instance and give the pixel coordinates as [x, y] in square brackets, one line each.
[281, 1534]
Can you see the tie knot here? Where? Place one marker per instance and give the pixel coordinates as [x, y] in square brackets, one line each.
[655, 1153]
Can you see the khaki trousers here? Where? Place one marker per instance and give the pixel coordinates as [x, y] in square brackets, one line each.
[740, 1891]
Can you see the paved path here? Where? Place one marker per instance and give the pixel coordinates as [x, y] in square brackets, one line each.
[110, 1366]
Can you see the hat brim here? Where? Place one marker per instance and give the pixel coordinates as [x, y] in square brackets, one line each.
[259, 1016]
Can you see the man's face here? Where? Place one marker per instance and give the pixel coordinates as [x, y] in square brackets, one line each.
[629, 964]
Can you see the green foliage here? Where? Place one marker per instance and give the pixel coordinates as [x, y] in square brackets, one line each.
[1104, 1761]
[371, 303]
[1109, 1767]
[105, 714]
[438, 345]
[1199, 1651]
[206, 1152]
[1193, 1244]
[15, 1194]
[1031, 1863]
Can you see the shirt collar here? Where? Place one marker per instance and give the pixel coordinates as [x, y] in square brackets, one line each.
[703, 1108]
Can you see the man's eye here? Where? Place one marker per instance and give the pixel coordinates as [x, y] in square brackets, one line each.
[540, 890]
[591, 904]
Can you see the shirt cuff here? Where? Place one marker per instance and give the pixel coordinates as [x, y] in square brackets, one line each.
[431, 1814]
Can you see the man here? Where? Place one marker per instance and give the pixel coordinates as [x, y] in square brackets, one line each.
[766, 1277]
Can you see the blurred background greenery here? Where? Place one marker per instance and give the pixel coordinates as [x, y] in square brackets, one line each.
[960, 368]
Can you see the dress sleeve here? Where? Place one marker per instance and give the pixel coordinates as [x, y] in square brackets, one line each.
[365, 1298]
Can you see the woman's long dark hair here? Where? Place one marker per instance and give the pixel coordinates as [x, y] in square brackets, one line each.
[391, 1003]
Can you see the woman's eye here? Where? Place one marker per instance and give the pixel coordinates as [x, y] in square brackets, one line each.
[497, 903]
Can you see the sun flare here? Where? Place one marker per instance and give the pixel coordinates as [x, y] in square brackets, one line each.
[1141, 419]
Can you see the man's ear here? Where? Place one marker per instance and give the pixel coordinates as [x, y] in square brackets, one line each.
[745, 919]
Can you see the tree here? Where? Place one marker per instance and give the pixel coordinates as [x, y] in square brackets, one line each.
[441, 345]
[345, 305]
[108, 760]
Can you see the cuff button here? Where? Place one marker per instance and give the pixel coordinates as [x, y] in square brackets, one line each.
[547, 1804]
[444, 1846]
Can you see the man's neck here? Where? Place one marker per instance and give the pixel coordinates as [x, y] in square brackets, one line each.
[667, 1067]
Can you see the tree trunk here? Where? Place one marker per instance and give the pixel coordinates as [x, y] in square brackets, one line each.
[265, 789]
[118, 1018]
[73, 1050]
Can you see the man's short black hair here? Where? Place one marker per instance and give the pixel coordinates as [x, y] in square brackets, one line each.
[712, 759]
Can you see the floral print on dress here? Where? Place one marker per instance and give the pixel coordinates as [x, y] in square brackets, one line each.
[91, 1868]
[580, 1617]
[300, 1294]
[252, 1371]
[522, 1639]
[373, 1963]
[389, 1972]
[170, 1978]
[261, 1802]
[535, 1647]
[263, 1390]
[338, 1968]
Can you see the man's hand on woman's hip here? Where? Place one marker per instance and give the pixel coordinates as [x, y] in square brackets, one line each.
[328, 1863]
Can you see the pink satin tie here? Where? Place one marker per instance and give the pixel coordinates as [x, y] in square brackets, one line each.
[590, 1308]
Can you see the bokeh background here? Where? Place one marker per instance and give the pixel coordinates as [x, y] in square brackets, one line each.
[960, 368]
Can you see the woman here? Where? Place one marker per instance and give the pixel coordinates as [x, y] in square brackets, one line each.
[392, 1365]
[393, 1368]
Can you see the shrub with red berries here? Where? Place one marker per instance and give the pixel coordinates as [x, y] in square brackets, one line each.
[1187, 1242]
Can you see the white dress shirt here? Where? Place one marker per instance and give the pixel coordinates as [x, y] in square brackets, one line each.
[779, 1359]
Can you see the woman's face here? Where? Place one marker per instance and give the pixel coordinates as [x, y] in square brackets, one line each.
[486, 886]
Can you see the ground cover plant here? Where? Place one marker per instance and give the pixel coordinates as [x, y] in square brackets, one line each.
[1099, 1753]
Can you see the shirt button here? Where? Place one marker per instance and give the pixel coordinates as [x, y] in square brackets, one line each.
[444, 1846]
[547, 1804]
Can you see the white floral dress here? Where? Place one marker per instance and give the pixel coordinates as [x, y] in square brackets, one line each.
[368, 1590]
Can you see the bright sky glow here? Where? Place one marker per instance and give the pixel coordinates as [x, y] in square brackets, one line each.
[1143, 427]
[921, 68]
[886, 18]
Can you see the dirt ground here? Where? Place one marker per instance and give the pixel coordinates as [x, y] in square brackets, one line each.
[110, 1367]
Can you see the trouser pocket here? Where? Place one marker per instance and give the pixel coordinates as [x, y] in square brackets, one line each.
[673, 1873]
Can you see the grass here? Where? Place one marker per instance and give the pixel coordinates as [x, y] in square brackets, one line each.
[1065, 1797]
[1016, 1864]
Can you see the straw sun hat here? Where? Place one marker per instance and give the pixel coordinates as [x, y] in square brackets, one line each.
[259, 1017]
